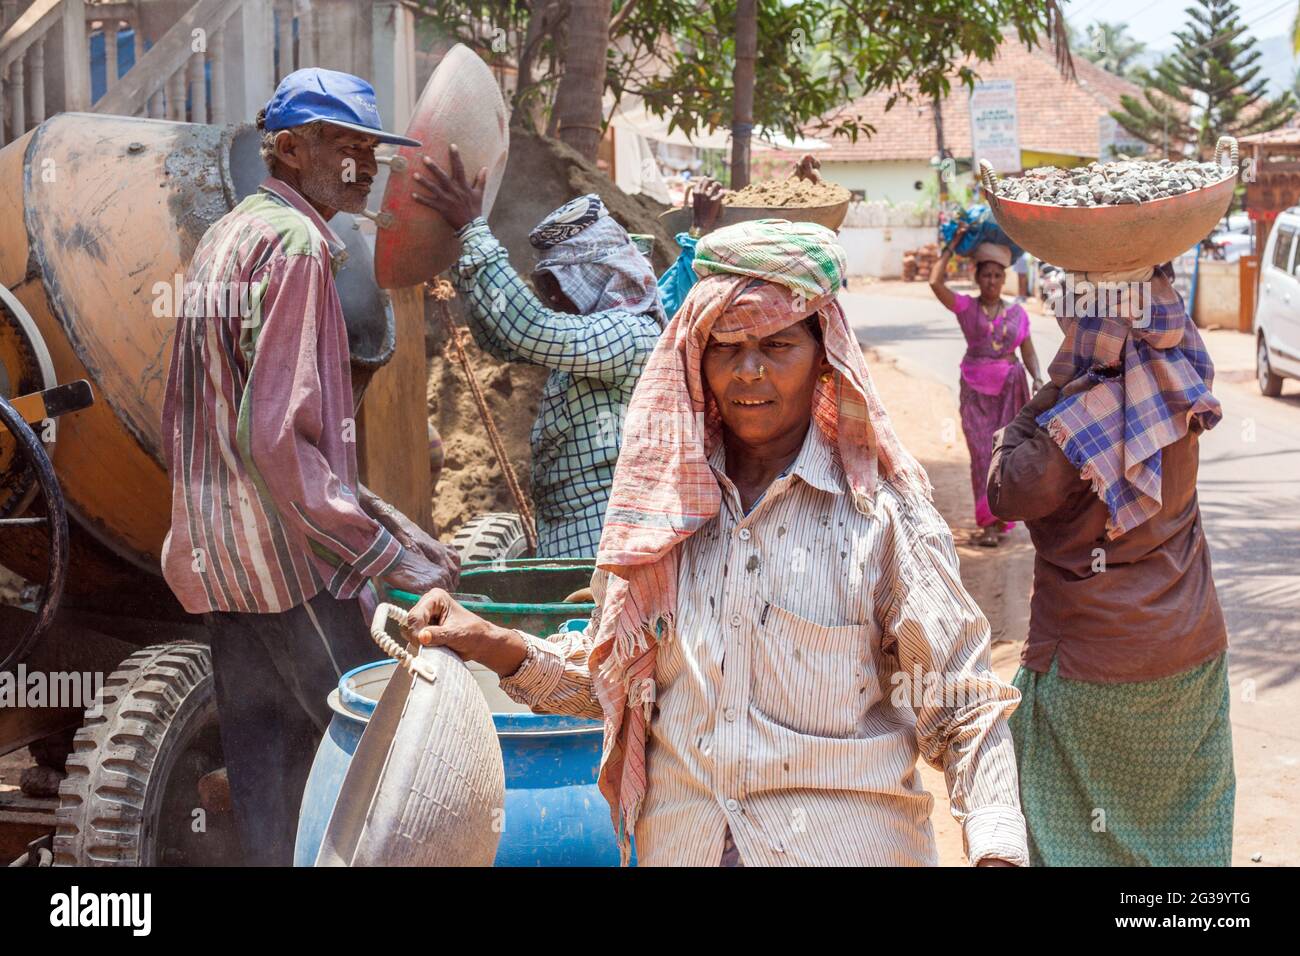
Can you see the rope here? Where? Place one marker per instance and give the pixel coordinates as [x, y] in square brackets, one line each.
[440, 291]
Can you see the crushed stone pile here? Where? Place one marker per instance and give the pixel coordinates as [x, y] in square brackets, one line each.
[1110, 184]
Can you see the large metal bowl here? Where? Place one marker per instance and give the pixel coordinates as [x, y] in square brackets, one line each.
[1114, 238]
[832, 216]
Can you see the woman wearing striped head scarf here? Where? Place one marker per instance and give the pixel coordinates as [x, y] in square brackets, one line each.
[1123, 739]
[781, 628]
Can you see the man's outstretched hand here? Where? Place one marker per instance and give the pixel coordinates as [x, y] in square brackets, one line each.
[452, 196]
[809, 168]
[415, 574]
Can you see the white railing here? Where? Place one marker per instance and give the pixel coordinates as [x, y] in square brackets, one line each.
[220, 59]
[174, 78]
[218, 62]
[23, 101]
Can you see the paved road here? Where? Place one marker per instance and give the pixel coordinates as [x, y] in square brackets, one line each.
[1250, 499]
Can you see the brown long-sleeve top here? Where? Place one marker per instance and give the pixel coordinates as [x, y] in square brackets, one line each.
[1137, 608]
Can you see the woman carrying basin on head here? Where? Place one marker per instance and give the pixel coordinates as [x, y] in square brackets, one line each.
[1123, 737]
[993, 387]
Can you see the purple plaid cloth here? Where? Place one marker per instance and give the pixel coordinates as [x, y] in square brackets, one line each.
[1149, 383]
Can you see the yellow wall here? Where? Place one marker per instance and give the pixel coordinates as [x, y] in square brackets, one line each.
[1030, 158]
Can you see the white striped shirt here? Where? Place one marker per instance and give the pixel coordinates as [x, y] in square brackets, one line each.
[781, 707]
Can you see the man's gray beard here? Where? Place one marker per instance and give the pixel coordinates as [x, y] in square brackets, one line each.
[322, 185]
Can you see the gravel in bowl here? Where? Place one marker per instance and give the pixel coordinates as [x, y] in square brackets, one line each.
[1111, 184]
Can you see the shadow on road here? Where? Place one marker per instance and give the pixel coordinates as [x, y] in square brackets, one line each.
[1254, 574]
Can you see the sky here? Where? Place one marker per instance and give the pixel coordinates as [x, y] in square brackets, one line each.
[1154, 21]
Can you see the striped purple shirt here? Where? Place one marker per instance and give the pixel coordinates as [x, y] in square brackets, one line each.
[260, 438]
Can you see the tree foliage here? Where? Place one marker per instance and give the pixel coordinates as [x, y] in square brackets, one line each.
[1208, 87]
[1110, 47]
[813, 57]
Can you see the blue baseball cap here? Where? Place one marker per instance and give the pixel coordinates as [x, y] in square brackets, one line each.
[340, 99]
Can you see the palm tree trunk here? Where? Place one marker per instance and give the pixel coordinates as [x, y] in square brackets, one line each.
[578, 99]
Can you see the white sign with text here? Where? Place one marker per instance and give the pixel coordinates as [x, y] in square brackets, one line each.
[995, 132]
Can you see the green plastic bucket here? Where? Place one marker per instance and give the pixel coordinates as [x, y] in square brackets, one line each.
[526, 593]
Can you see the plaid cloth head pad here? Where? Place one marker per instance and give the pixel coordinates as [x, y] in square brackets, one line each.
[595, 261]
[1151, 378]
[757, 278]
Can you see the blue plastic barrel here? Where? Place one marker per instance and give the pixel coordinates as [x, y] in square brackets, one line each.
[554, 814]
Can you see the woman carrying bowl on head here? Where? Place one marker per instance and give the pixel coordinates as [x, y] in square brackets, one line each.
[993, 387]
[1123, 735]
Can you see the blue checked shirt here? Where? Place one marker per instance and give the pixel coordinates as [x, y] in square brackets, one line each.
[595, 361]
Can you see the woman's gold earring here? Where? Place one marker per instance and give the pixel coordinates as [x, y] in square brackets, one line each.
[827, 376]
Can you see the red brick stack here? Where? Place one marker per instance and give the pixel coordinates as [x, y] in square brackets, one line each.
[917, 263]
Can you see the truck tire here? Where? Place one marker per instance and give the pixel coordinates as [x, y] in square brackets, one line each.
[130, 797]
[493, 536]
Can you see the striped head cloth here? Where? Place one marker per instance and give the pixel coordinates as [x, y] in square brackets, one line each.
[595, 261]
[757, 278]
[1151, 377]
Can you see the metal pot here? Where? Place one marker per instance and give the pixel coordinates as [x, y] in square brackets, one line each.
[1118, 238]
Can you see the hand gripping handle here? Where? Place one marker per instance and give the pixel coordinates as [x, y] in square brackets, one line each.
[385, 615]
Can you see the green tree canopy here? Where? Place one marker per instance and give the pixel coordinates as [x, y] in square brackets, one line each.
[1208, 87]
[1110, 47]
[813, 56]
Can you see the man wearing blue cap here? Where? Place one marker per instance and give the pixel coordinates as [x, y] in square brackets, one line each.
[273, 539]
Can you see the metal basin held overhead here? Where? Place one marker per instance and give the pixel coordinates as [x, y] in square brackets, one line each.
[832, 216]
[461, 105]
[1118, 238]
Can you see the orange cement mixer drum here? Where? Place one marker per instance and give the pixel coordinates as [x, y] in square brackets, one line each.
[460, 104]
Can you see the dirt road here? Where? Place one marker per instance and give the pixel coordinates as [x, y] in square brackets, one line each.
[925, 416]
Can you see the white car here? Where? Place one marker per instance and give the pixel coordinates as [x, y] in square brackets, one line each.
[1277, 313]
[1232, 245]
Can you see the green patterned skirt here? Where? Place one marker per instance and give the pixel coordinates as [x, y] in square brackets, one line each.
[1133, 774]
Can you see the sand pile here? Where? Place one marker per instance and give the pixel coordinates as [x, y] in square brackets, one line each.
[790, 193]
[471, 481]
[541, 175]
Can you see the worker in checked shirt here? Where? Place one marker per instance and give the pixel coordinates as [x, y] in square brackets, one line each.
[593, 322]
[781, 629]
[273, 539]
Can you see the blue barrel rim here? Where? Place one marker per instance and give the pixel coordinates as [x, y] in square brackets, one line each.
[361, 707]
[353, 701]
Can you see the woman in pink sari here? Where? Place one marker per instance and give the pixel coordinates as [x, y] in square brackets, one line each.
[993, 387]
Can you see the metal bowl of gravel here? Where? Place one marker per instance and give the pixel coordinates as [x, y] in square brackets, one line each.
[1113, 217]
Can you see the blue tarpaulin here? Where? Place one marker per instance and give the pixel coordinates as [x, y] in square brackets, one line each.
[982, 227]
